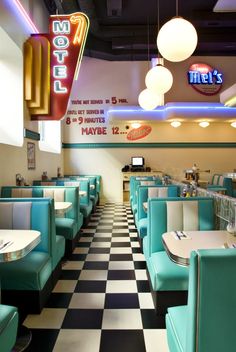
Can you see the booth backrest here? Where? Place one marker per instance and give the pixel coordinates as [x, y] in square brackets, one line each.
[150, 181]
[156, 191]
[211, 301]
[173, 214]
[59, 194]
[31, 213]
[83, 185]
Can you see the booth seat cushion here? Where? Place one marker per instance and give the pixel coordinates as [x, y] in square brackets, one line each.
[166, 275]
[28, 273]
[86, 210]
[176, 324]
[142, 227]
[66, 227]
[8, 327]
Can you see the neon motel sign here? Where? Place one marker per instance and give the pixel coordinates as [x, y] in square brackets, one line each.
[66, 38]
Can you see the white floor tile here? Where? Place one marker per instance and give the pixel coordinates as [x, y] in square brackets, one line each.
[121, 286]
[100, 235]
[107, 227]
[120, 250]
[135, 244]
[120, 231]
[73, 340]
[97, 257]
[85, 239]
[120, 239]
[154, 338]
[121, 265]
[87, 300]
[81, 250]
[93, 275]
[100, 245]
[122, 319]
[65, 286]
[145, 300]
[50, 318]
[138, 257]
[141, 274]
[73, 265]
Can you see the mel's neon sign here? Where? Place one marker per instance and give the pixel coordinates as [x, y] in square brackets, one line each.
[205, 79]
[66, 41]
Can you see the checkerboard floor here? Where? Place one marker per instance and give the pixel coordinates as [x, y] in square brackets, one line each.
[102, 302]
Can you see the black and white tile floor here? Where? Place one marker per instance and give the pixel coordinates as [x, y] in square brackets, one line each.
[102, 302]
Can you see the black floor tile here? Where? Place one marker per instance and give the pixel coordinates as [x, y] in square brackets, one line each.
[96, 265]
[59, 300]
[120, 234]
[83, 319]
[121, 301]
[103, 230]
[83, 244]
[122, 340]
[91, 286]
[143, 286]
[136, 250]
[151, 320]
[120, 227]
[117, 257]
[70, 274]
[140, 265]
[121, 275]
[43, 340]
[78, 257]
[120, 244]
[99, 250]
[102, 239]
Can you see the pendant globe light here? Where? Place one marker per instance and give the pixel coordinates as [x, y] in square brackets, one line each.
[149, 99]
[159, 78]
[177, 39]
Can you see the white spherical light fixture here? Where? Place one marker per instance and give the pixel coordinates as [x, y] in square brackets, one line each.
[159, 79]
[148, 99]
[177, 39]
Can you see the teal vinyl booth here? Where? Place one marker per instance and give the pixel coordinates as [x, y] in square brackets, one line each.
[169, 281]
[28, 282]
[148, 192]
[67, 226]
[207, 323]
[149, 181]
[86, 205]
[221, 183]
[8, 327]
[95, 186]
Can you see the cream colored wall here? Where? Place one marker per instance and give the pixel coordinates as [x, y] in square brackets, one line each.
[13, 160]
[101, 80]
[173, 161]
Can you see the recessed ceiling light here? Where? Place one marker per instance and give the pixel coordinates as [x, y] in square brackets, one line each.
[135, 125]
[175, 124]
[204, 124]
[233, 124]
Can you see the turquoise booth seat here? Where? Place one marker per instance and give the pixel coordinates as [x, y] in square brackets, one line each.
[169, 281]
[207, 322]
[222, 184]
[70, 223]
[95, 186]
[86, 205]
[148, 192]
[149, 181]
[8, 327]
[28, 282]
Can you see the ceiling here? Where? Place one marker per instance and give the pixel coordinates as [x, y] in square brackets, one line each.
[126, 30]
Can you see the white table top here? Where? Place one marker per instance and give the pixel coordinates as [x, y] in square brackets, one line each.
[145, 206]
[82, 193]
[179, 250]
[23, 241]
[62, 207]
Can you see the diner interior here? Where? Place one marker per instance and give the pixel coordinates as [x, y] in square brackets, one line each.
[118, 175]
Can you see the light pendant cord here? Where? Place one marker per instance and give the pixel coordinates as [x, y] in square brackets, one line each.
[177, 8]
